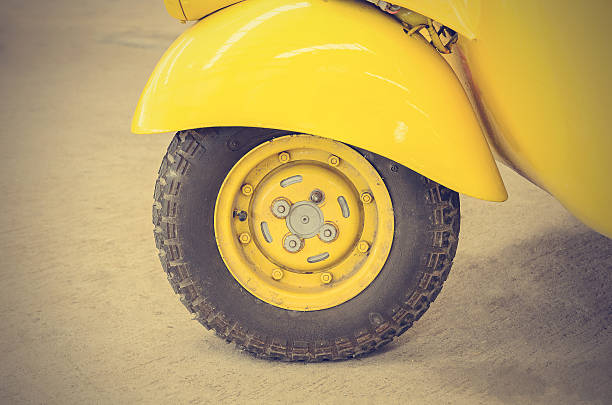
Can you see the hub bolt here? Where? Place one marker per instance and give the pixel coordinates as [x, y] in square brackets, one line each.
[317, 196]
[292, 243]
[333, 160]
[244, 238]
[326, 278]
[328, 233]
[366, 198]
[247, 189]
[363, 246]
[277, 274]
[280, 208]
[284, 157]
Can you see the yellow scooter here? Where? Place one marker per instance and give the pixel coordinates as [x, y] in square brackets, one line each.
[307, 208]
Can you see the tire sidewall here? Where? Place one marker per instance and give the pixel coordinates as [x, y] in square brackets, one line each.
[220, 151]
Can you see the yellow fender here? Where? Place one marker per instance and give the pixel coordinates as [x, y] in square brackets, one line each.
[335, 68]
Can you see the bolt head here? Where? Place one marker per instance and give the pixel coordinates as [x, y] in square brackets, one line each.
[284, 157]
[333, 160]
[328, 233]
[317, 196]
[280, 208]
[244, 238]
[277, 274]
[292, 243]
[247, 189]
[366, 198]
[363, 246]
[326, 278]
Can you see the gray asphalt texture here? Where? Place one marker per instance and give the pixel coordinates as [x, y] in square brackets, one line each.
[87, 315]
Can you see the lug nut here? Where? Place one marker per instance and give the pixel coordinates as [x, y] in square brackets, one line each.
[317, 196]
[280, 208]
[363, 246]
[366, 198]
[284, 157]
[326, 278]
[277, 274]
[333, 160]
[244, 238]
[292, 243]
[247, 189]
[328, 233]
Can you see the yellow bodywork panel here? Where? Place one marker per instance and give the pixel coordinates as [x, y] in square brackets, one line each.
[338, 69]
[191, 10]
[543, 85]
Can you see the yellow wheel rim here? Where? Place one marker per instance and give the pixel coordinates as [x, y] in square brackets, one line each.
[304, 223]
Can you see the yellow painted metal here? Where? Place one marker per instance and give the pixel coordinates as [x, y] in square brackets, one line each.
[338, 69]
[288, 280]
[542, 85]
[191, 10]
[175, 10]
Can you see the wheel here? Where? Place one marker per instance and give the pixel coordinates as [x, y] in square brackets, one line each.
[297, 247]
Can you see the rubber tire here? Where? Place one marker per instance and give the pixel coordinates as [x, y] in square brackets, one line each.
[425, 242]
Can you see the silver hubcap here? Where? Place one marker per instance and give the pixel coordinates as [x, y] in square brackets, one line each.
[305, 219]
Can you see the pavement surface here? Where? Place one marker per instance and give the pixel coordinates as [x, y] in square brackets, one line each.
[87, 316]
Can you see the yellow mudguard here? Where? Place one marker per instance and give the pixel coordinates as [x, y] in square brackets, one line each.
[338, 69]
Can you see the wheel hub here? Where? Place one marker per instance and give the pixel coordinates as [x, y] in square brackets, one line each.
[307, 221]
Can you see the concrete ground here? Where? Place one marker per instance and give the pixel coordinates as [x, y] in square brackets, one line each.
[87, 316]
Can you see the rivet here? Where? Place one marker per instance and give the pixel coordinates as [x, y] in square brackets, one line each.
[244, 238]
[326, 278]
[363, 246]
[366, 198]
[333, 160]
[247, 189]
[284, 157]
[277, 274]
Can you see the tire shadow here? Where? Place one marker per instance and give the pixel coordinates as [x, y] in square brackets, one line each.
[531, 320]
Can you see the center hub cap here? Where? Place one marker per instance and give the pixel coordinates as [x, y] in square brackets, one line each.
[305, 219]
